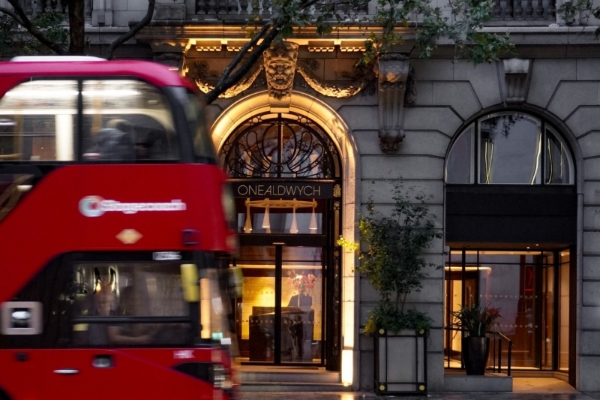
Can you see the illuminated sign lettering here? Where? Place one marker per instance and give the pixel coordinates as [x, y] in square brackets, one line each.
[283, 190]
[95, 206]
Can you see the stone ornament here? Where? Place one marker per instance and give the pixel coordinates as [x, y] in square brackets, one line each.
[516, 80]
[392, 71]
[280, 66]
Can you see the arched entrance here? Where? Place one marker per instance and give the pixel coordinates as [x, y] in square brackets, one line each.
[291, 172]
[511, 217]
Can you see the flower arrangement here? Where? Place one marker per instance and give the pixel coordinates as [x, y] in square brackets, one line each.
[476, 320]
[301, 282]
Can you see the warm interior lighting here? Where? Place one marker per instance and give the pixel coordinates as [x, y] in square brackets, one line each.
[294, 227]
[205, 310]
[281, 203]
[248, 223]
[266, 223]
[347, 367]
[313, 221]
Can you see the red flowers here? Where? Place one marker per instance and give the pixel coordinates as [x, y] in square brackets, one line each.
[301, 282]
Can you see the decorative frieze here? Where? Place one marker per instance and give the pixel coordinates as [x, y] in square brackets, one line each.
[392, 70]
[321, 46]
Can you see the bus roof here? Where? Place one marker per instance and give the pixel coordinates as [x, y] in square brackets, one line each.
[13, 72]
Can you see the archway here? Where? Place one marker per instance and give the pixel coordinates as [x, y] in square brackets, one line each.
[512, 230]
[308, 114]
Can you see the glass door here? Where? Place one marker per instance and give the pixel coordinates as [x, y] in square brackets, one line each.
[279, 315]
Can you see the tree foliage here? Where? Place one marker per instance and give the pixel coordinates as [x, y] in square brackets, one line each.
[54, 33]
[393, 261]
[393, 19]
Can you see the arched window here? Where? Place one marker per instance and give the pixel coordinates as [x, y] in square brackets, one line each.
[280, 146]
[510, 148]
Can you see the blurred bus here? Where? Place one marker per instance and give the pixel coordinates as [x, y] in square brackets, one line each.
[114, 219]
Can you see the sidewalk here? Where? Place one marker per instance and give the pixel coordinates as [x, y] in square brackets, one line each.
[431, 396]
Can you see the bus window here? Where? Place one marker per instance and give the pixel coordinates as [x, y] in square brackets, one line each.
[204, 149]
[126, 121]
[38, 121]
[127, 295]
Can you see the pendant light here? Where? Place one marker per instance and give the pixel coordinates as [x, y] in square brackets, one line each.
[313, 219]
[248, 223]
[294, 227]
[266, 222]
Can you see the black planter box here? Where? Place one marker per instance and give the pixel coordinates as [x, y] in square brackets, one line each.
[401, 363]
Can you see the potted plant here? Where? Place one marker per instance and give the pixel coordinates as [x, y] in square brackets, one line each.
[475, 322]
[393, 263]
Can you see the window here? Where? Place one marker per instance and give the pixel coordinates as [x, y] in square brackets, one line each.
[126, 121]
[38, 121]
[509, 148]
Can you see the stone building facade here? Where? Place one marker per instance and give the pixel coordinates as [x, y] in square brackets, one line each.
[507, 153]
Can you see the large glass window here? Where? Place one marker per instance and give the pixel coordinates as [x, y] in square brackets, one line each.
[126, 121]
[37, 121]
[509, 148]
[533, 304]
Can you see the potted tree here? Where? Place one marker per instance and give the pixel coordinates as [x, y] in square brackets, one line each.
[475, 322]
[393, 263]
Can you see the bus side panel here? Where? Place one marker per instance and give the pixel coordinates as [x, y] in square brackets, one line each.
[69, 374]
[19, 374]
[152, 206]
[209, 219]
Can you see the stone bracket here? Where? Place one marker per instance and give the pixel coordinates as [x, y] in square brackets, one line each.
[516, 80]
[392, 72]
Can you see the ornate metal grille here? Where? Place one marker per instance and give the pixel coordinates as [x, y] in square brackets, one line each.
[280, 146]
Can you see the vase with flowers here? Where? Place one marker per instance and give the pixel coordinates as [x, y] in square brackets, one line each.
[303, 285]
[476, 322]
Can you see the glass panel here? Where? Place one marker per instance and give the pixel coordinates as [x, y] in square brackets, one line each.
[510, 149]
[548, 320]
[563, 351]
[460, 165]
[37, 121]
[280, 146]
[127, 120]
[130, 290]
[194, 112]
[558, 165]
[254, 311]
[301, 302]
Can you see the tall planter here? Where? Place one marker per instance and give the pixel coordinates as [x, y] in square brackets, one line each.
[400, 362]
[475, 353]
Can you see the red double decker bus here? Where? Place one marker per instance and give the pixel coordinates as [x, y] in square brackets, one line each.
[114, 218]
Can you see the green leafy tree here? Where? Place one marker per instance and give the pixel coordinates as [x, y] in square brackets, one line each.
[393, 19]
[393, 261]
[54, 33]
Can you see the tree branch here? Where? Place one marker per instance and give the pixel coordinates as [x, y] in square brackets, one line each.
[256, 53]
[11, 14]
[26, 23]
[122, 39]
[242, 52]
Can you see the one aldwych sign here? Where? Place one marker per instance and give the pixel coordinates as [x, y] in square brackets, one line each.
[283, 190]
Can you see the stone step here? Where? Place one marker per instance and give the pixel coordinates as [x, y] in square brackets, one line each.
[293, 387]
[490, 382]
[289, 376]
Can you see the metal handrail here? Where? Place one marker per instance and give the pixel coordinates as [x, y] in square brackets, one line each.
[497, 356]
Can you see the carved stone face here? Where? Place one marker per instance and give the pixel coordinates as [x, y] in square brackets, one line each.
[280, 66]
[280, 73]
